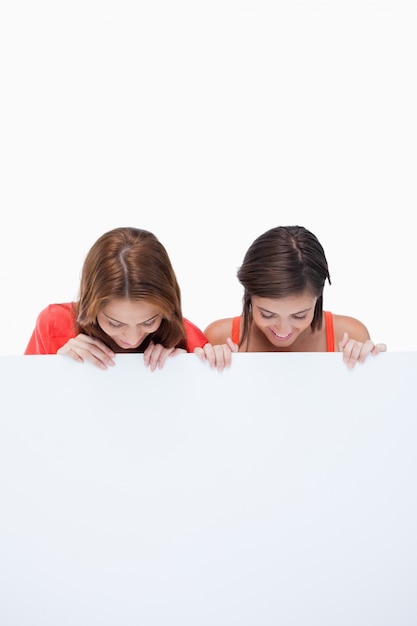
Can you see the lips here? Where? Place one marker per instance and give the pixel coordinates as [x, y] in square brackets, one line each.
[282, 337]
[128, 346]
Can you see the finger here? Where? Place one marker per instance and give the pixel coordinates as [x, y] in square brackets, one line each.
[223, 355]
[200, 353]
[159, 356]
[219, 362]
[227, 354]
[81, 350]
[351, 352]
[379, 347]
[92, 344]
[232, 345]
[67, 351]
[164, 354]
[343, 342]
[168, 352]
[154, 356]
[96, 357]
[176, 351]
[148, 353]
[209, 354]
[366, 349]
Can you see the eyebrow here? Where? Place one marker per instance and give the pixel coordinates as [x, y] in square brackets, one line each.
[261, 308]
[112, 319]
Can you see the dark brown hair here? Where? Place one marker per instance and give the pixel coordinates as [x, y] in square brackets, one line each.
[283, 261]
[130, 263]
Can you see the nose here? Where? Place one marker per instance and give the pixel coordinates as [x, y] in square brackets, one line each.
[133, 335]
[283, 329]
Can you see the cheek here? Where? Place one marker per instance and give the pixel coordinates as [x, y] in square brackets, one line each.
[303, 324]
[105, 326]
[260, 321]
[154, 328]
[147, 330]
[109, 330]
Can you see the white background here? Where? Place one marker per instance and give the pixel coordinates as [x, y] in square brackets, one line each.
[208, 123]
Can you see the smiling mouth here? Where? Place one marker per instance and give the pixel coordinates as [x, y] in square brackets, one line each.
[282, 337]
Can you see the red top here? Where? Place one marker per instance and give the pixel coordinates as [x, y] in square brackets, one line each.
[329, 330]
[55, 325]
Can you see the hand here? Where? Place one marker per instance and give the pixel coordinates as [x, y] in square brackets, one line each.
[354, 351]
[219, 356]
[155, 355]
[84, 348]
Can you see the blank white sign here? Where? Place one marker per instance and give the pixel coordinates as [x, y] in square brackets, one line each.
[281, 491]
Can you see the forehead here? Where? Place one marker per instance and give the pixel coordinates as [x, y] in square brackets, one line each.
[286, 305]
[130, 312]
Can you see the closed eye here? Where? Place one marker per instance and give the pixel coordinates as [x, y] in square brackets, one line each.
[150, 323]
[113, 324]
[270, 316]
[267, 316]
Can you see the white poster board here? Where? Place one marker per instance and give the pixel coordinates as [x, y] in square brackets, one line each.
[281, 491]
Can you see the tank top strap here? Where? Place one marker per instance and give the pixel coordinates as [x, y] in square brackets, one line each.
[329, 331]
[236, 329]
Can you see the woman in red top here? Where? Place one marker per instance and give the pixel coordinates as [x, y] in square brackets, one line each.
[129, 301]
[283, 276]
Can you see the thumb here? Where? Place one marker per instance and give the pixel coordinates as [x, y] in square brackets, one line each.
[379, 347]
[200, 353]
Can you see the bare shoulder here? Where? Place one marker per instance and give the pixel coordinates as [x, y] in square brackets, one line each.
[354, 327]
[218, 331]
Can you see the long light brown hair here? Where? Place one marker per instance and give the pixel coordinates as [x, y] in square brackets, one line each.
[130, 263]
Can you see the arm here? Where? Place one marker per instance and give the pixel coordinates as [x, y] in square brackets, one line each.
[219, 331]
